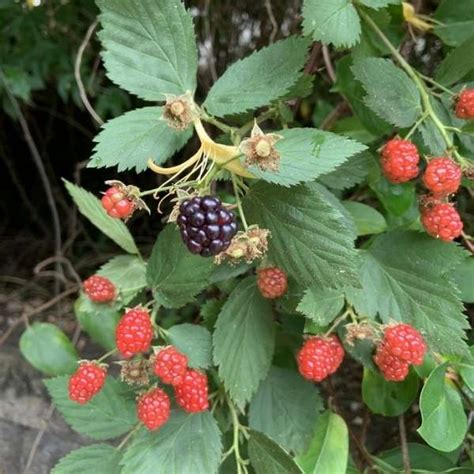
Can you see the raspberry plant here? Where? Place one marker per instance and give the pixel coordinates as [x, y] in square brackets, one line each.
[287, 252]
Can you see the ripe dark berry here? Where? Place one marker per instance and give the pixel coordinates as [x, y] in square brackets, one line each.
[406, 343]
[191, 393]
[170, 365]
[206, 226]
[320, 357]
[465, 105]
[99, 289]
[153, 408]
[392, 367]
[442, 176]
[117, 204]
[399, 160]
[86, 382]
[442, 221]
[134, 332]
[272, 282]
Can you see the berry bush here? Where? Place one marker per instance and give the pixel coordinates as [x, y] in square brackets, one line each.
[296, 252]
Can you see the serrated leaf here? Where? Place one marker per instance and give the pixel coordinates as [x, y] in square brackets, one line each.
[310, 238]
[244, 341]
[335, 22]
[329, 447]
[130, 140]
[457, 64]
[405, 277]
[90, 207]
[187, 443]
[108, 415]
[391, 94]
[379, 3]
[321, 305]
[267, 457]
[150, 48]
[456, 21]
[306, 154]
[175, 274]
[367, 219]
[432, 137]
[463, 277]
[285, 408]
[259, 79]
[48, 349]
[195, 342]
[444, 422]
[97, 458]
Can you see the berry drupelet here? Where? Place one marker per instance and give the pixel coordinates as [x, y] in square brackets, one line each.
[153, 408]
[442, 176]
[170, 365]
[117, 204]
[272, 282]
[442, 221]
[134, 332]
[399, 160]
[99, 289]
[86, 382]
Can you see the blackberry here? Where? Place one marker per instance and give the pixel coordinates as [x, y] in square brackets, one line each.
[207, 228]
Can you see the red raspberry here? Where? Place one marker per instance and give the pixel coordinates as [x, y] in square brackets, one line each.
[117, 204]
[406, 343]
[99, 289]
[170, 365]
[134, 332]
[399, 160]
[442, 221]
[153, 408]
[86, 382]
[191, 393]
[442, 176]
[272, 282]
[465, 105]
[393, 368]
[319, 357]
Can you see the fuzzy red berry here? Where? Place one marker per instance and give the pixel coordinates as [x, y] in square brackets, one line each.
[117, 204]
[442, 176]
[86, 382]
[134, 332]
[465, 105]
[399, 159]
[170, 365]
[319, 357]
[272, 282]
[441, 220]
[406, 343]
[191, 393]
[153, 408]
[99, 289]
[392, 367]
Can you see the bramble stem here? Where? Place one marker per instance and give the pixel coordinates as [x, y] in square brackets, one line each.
[108, 354]
[239, 203]
[127, 438]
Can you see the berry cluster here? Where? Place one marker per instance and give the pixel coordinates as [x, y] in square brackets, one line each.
[402, 345]
[272, 282]
[117, 203]
[320, 357]
[99, 289]
[207, 228]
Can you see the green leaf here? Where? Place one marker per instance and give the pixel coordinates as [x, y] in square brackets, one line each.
[97, 458]
[404, 276]
[306, 154]
[335, 22]
[329, 447]
[150, 49]
[432, 137]
[48, 349]
[130, 140]
[468, 128]
[391, 94]
[444, 423]
[91, 208]
[285, 408]
[463, 277]
[108, 415]
[259, 79]
[397, 199]
[244, 340]
[267, 457]
[379, 3]
[187, 443]
[457, 64]
[457, 21]
[310, 238]
[175, 274]
[195, 342]
[388, 398]
[367, 219]
[321, 305]
[466, 369]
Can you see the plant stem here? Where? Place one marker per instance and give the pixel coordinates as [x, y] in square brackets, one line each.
[239, 203]
[235, 448]
[436, 84]
[127, 438]
[337, 322]
[165, 188]
[108, 354]
[217, 123]
[416, 125]
[403, 440]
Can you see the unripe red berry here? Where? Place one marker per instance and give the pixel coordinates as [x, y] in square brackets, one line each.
[442, 221]
[153, 408]
[465, 105]
[272, 282]
[392, 367]
[442, 176]
[86, 382]
[134, 332]
[117, 204]
[405, 342]
[399, 160]
[170, 365]
[191, 393]
[99, 289]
